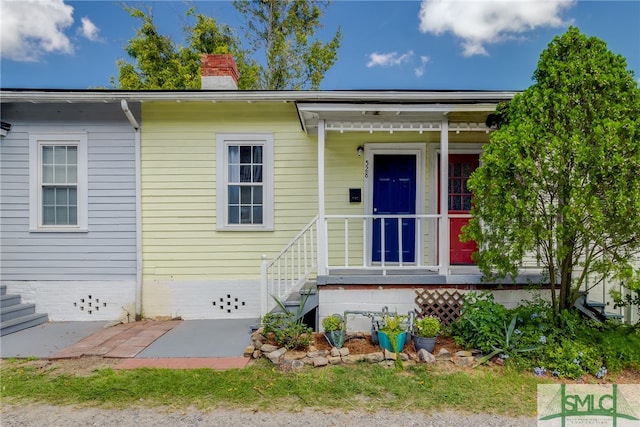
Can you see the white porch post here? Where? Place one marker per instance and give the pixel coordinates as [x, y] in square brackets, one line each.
[443, 243]
[322, 226]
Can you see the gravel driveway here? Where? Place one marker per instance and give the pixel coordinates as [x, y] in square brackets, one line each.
[68, 416]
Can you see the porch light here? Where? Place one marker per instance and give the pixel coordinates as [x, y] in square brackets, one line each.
[360, 150]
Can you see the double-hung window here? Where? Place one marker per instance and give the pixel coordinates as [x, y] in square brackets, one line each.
[58, 187]
[245, 181]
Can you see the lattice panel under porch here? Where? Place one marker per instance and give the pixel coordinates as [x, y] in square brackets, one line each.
[442, 303]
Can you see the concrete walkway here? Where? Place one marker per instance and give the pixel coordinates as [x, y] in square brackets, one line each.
[216, 344]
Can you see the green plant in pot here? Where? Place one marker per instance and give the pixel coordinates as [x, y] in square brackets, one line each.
[392, 335]
[425, 333]
[334, 330]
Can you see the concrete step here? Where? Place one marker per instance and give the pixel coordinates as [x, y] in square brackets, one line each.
[9, 300]
[16, 310]
[24, 322]
[3, 289]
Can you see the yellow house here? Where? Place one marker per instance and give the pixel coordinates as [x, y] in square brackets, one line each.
[250, 195]
[235, 198]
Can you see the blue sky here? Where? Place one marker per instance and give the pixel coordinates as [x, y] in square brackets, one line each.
[421, 45]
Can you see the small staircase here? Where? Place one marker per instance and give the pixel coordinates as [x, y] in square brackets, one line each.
[595, 310]
[307, 294]
[15, 316]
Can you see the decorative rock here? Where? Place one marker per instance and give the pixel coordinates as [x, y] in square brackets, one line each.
[426, 357]
[499, 361]
[307, 361]
[443, 354]
[275, 356]
[344, 351]
[295, 355]
[374, 357]
[320, 361]
[335, 352]
[319, 353]
[463, 353]
[464, 361]
[389, 355]
[268, 348]
[248, 351]
[353, 358]
[257, 354]
[335, 360]
[404, 357]
[311, 349]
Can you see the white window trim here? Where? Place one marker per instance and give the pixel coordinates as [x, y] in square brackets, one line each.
[36, 141]
[222, 141]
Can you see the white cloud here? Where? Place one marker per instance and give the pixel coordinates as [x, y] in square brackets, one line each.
[483, 22]
[423, 63]
[388, 59]
[89, 29]
[31, 28]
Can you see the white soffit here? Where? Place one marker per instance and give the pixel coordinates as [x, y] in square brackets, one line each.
[387, 117]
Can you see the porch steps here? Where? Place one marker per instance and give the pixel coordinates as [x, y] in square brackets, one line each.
[595, 310]
[15, 316]
[308, 293]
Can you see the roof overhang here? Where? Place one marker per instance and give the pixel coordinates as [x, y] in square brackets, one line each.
[341, 117]
[371, 110]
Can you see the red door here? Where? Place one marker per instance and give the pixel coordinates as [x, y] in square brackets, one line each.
[459, 200]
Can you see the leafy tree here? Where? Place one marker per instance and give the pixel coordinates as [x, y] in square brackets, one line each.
[283, 30]
[561, 175]
[161, 64]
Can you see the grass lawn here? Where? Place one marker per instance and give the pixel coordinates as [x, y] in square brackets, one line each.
[426, 388]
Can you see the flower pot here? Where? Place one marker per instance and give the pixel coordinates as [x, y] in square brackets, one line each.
[383, 340]
[422, 343]
[335, 338]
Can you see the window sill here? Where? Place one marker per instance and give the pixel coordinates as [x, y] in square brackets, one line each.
[244, 228]
[58, 230]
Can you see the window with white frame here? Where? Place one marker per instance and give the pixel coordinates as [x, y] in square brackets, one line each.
[245, 181]
[58, 187]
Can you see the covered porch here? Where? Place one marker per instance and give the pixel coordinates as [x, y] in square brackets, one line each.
[384, 170]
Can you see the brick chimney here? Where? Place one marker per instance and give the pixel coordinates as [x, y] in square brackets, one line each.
[218, 72]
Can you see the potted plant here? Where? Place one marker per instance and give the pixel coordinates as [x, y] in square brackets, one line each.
[334, 330]
[425, 332]
[392, 334]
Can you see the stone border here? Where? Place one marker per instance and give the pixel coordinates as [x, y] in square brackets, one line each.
[296, 360]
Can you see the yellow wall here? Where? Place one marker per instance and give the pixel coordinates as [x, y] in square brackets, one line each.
[180, 241]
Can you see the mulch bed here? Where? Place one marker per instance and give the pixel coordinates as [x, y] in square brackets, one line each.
[361, 344]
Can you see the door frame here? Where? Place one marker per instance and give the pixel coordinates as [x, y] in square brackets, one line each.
[434, 165]
[417, 149]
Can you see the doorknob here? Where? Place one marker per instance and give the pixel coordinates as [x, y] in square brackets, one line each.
[375, 209]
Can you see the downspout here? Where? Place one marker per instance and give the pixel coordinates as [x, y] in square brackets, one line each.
[136, 126]
[323, 255]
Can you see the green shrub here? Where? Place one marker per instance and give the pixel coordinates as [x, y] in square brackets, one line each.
[571, 359]
[481, 322]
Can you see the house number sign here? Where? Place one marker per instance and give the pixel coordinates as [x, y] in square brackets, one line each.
[366, 168]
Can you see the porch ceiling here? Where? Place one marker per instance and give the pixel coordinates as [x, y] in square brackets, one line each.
[393, 117]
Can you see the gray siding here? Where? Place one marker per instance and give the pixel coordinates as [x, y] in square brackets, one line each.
[108, 250]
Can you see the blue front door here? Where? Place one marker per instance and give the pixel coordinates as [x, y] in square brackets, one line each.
[394, 193]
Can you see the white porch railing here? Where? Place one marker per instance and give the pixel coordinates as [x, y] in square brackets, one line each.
[350, 241]
[290, 269]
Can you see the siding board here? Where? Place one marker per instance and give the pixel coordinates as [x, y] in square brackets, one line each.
[107, 250]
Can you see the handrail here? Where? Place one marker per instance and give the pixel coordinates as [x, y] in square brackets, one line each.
[288, 271]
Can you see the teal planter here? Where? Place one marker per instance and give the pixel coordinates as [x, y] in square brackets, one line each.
[383, 340]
